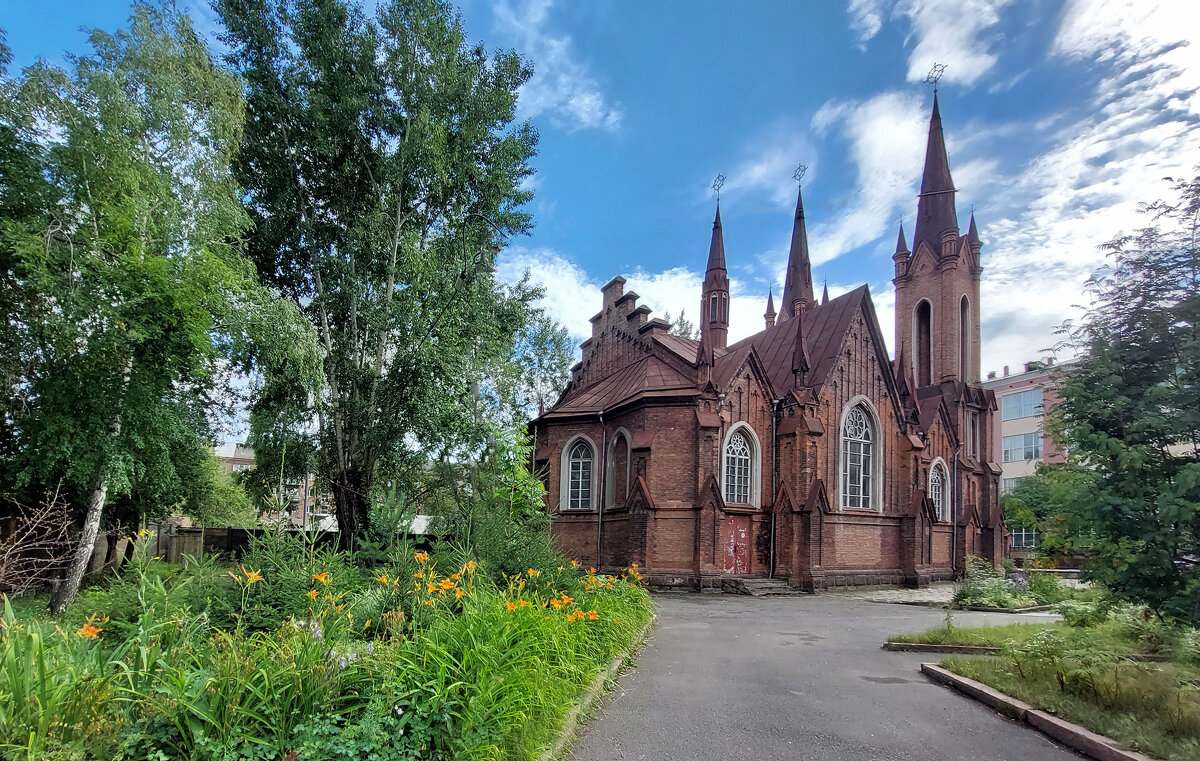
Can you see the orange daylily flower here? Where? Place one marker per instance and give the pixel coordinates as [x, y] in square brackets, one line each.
[251, 576]
[509, 604]
[429, 603]
[456, 576]
[616, 620]
[523, 604]
[592, 615]
[322, 577]
[470, 566]
[532, 573]
[430, 588]
[574, 563]
[422, 557]
[89, 631]
[447, 584]
[418, 575]
[382, 579]
[458, 593]
[311, 594]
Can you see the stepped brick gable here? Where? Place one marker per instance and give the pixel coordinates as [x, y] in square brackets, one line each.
[804, 452]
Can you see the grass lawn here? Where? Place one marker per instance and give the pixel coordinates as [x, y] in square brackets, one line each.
[1150, 708]
[995, 636]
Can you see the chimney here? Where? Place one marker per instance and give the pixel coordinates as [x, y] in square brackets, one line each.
[1006, 371]
[991, 375]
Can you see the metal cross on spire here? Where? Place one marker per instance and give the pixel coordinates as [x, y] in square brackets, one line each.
[718, 184]
[801, 170]
[935, 75]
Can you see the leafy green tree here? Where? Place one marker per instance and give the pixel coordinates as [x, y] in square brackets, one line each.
[134, 301]
[681, 325]
[1049, 502]
[1130, 411]
[534, 374]
[381, 169]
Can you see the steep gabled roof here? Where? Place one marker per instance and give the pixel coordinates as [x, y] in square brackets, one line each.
[646, 377]
[824, 326]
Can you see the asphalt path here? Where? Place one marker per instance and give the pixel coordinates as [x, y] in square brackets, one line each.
[733, 677]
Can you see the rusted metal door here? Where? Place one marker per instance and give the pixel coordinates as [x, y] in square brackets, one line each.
[737, 544]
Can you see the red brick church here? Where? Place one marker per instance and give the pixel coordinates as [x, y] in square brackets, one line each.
[803, 452]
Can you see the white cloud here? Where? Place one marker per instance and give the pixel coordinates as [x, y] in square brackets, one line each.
[1053, 213]
[561, 86]
[765, 165]
[572, 298]
[887, 136]
[943, 31]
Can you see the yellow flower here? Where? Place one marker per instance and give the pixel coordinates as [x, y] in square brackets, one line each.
[382, 579]
[89, 631]
[251, 576]
[574, 563]
[430, 588]
[422, 557]
[311, 594]
[532, 573]
[458, 593]
[418, 575]
[367, 625]
[322, 577]
[456, 576]
[470, 566]
[509, 604]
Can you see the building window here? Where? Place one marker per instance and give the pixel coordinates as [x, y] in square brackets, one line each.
[579, 479]
[937, 489]
[858, 458]
[1025, 538]
[1021, 404]
[923, 363]
[1008, 484]
[973, 435]
[964, 340]
[1023, 446]
[713, 308]
[738, 471]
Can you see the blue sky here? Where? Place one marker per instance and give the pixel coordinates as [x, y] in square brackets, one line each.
[1060, 117]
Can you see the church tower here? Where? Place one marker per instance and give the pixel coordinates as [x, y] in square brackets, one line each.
[937, 283]
[714, 301]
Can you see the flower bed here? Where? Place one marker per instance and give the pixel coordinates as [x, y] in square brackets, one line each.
[426, 658]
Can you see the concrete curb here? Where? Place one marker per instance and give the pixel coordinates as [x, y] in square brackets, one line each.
[925, 647]
[1072, 735]
[592, 695]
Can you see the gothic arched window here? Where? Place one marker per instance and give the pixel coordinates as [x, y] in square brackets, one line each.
[937, 489]
[923, 339]
[739, 468]
[579, 477]
[859, 439]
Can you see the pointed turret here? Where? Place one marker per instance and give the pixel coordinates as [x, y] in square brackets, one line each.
[901, 243]
[797, 284]
[935, 209]
[769, 316]
[800, 364]
[714, 301]
[825, 293]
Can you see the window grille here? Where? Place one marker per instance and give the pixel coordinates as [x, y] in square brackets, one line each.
[738, 470]
[858, 444]
[580, 477]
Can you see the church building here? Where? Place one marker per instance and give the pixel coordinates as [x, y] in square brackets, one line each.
[804, 452]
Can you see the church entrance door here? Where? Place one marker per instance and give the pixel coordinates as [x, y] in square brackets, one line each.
[737, 544]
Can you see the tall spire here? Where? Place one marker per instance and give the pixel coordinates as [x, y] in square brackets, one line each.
[800, 364]
[825, 293]
[972, 230]
[901, 243]
[797, 283]
[716, 248]
[769, 317]
[935, 209]
[714, 300]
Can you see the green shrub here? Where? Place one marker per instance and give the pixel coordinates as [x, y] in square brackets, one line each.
[984, 585]
[1047, 589]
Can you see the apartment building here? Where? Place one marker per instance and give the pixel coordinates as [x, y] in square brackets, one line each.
[307, 506]
[1023, 399]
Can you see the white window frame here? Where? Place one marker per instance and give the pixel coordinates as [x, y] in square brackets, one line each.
[1034, 449]
[564, 477]
[1008, 484]
[875, 503]
[1024, 538]
[941, 496]
[1009, 404]
[755, 464]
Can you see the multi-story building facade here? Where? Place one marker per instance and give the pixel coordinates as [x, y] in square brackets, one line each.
[1023, 400]
[307, 506]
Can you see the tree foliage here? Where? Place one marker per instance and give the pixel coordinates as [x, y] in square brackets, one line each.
[681, 325]
[532, 376]
[380, 168]
[130, 300]
[1049, 502]
[1130, 411]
